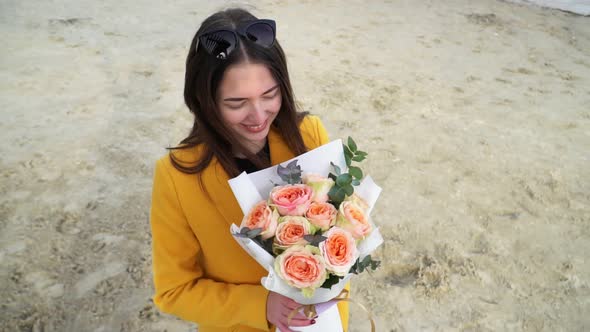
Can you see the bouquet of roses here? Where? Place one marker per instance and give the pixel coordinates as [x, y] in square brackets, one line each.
[310, 228]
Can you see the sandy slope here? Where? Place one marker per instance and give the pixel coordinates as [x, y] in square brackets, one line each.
[475, 115]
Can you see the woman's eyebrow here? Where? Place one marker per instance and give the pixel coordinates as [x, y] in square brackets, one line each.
[240, 99]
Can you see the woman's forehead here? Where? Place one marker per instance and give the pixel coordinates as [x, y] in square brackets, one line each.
[245, 80]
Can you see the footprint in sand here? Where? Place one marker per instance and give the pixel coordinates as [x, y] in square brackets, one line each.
[91, 280]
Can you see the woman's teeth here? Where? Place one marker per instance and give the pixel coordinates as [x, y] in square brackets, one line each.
[256, 128]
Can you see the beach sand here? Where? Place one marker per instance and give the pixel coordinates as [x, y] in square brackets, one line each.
[475, 114]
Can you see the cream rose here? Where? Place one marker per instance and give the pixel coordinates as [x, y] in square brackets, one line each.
[292, 199]
[320, 185]
[262, 216]
[352, 218]
[359, 201]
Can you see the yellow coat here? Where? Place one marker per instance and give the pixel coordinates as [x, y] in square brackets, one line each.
[200, 273]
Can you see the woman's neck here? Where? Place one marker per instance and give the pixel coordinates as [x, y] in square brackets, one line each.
[253, 147]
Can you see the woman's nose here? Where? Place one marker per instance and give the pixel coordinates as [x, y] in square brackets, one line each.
[257, 112]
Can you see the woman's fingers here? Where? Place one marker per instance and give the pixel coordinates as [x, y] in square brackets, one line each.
[278, 310]
[305, 322]
[284, 328]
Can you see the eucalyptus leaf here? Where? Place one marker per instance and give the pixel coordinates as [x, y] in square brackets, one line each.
[343, 179]
[351, 144]
[348, 190]
[246, 232]
[315, 240]
[358, 158]
[336, 194]
[355, 182]
[361, 153]
[254, 233]
[367, 262]
[348, 160]
[336, 168]
[331, 281]
[290, 173]
[347, 150]
[356, 172]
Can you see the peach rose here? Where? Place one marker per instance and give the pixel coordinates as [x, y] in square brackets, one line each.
[339, 251]
[302, 267]
[291, 199]
[290, 231]
[262, 216]
[352, 218]
[320, 185]
[321, 215]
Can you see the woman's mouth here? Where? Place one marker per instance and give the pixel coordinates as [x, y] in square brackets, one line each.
[255, 128]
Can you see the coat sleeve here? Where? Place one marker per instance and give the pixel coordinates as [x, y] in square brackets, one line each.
[180, 286]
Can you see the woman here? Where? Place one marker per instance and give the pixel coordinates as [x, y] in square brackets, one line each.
[237, 86]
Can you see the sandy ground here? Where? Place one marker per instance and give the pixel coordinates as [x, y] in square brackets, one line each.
[476, 115]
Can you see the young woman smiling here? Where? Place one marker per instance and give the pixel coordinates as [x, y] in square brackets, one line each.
[245, 119]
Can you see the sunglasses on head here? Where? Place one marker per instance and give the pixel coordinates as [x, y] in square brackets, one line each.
[220, 43]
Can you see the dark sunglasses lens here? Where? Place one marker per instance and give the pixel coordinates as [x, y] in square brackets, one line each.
[219, 43]
[261, 33]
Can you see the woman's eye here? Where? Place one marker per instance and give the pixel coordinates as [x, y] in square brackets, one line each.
[235, 107]
[272, 95]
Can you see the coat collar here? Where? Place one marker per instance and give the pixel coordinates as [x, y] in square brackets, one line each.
[215, 179]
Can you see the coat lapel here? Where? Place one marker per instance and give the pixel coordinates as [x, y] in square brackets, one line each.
[279, 151]
[215, 181]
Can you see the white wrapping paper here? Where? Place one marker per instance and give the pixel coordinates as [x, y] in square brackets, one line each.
[250, 189]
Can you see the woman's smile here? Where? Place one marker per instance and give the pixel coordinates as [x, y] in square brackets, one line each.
[256, 128]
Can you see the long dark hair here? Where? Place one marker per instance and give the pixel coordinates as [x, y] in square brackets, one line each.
[202, 78]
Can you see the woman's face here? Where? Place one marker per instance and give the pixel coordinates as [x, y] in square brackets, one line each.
[249, 99]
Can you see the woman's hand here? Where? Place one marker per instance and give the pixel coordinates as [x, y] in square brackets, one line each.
[278, 308]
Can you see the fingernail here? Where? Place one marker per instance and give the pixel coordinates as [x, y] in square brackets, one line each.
[313, 321]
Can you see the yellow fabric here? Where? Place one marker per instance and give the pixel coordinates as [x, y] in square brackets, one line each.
[200, 273]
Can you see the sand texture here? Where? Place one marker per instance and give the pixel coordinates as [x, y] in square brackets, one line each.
[475, 114]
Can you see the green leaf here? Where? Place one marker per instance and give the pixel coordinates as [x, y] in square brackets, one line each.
[331, 281]
[254, 233]
[348, 190]
[351, 144]
[347, 155]
[358, 158]
[315, 240]
[290, 173]
[355, 182]
[336, 194]
[343, 179]
[356, 172]
[375, 265]
[347, 151]
[336, 168]
[367, 262]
